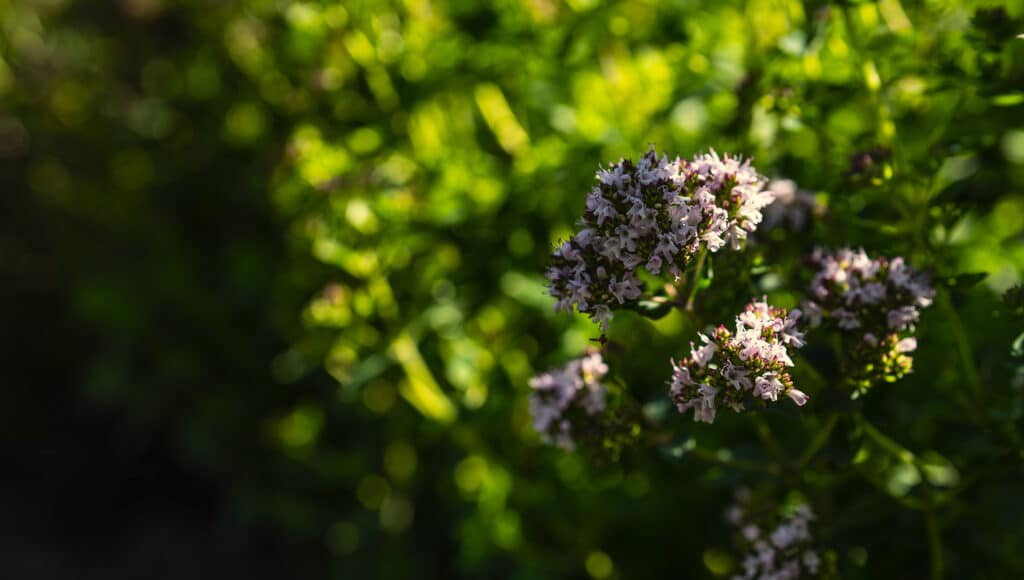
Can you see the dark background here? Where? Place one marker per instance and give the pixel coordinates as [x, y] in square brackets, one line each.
[221, 221]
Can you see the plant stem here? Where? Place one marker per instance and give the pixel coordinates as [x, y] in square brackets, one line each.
[764, 432]
[886, 442]
[934, 531]
[712, 457]
[696, 278]
[819, 441]
[962, 344]
[937, 564]
[807, 367]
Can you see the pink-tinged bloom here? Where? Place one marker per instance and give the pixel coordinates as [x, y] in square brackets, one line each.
[878, 299]
[733, 367]
[768, 387]
[799, 397]
[701, 356]
[902, 318]
[737, 376]
[705, 409]
[657, 214]
[907, 345]
[751, 533]
[577, 384]
[783, 552]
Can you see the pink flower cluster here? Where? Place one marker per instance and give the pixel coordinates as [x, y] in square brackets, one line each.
[558, 392]
[728, 367]
[879, 300]
[858, 292]
[782, 552]
[654, 214]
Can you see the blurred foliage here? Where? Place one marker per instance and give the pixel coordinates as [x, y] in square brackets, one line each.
[210, 204]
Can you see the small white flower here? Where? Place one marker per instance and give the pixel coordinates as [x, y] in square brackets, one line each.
[737, 376]
[799, 397]
[846, 319]
[563, 437]
[751, 532]
[784, 536]
[902, 318]
[734, 514]
[602, 209]
[907, 345]
[578, 383]
[701, 356]
[768, 387]
[811, 561]
[765, 553]
[705, 409]
[602, 315]
[593, 400]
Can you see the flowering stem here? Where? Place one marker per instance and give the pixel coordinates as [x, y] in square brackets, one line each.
[907, 502]
[819, 441]
[932, 528]
[712, 457]
[696, 278]
[938, 565]
[885, 442]
[962, 344]
[764, 432]
[963, 347]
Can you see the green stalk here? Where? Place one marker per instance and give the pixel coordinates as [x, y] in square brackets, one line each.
[937, 563]
[696, 278]
[963, 346]
[764, 432]
[819, 441]
[741, 464]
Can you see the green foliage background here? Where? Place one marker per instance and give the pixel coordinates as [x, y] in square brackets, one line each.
[301, 245]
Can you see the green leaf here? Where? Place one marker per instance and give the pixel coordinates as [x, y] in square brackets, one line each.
[1017, 347]
[658, 409]
[962, 282]
[421, 388]
[652, 309]
[705, 280]
[1008, 99]
[1013, 299]
[938, 470]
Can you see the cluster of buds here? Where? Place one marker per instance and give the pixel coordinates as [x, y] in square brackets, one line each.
[655, 214]
[780, 552]
[730, 367]
[561, 393]
[877, 300]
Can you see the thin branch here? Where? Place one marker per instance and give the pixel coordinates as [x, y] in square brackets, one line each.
[726, 461]
[696, 278]
[935, 550]
[764, 433]
[937, 564]
[963, 346]
[819, 441]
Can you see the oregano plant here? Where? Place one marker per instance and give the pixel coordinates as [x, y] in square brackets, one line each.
[644, 237]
